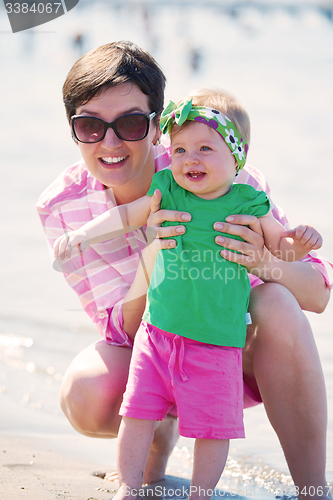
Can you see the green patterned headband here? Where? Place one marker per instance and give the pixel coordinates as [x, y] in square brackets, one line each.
[215, 119]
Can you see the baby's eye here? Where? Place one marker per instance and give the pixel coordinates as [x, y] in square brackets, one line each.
[205, 148]
[179, 150]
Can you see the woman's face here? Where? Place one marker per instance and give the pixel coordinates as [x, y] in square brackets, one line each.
[126, 167]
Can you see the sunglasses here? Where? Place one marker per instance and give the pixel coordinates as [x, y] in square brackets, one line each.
[133, 127]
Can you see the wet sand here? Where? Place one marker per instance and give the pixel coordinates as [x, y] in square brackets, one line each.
[37, 467]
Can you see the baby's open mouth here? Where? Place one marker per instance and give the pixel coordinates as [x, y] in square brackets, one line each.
[195, 175]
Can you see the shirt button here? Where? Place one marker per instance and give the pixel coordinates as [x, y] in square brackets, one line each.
[102, 315]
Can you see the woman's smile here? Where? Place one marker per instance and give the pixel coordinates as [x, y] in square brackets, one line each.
[113, 162]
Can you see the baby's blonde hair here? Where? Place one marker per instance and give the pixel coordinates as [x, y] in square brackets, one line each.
[226, 103]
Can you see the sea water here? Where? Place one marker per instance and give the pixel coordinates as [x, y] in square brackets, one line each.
[279, 62]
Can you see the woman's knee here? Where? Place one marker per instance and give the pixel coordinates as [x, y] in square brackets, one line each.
[92, 390]
[276, 313]
[272, 300]
[89, 406]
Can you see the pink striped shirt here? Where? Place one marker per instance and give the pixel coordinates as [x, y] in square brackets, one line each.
[104, 273]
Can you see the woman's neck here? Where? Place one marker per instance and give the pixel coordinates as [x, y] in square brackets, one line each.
[127, 195]
[135, 188]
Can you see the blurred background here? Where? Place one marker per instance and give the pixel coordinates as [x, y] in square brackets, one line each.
[275, 56]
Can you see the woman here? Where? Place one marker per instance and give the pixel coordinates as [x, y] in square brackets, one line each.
[280, 361]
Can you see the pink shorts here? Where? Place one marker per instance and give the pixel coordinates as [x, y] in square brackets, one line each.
[203, 380]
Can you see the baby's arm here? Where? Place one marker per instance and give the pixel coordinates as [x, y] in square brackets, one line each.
[289, 245]
[113, 223]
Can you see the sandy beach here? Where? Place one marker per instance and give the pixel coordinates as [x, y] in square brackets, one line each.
[280, 64]
[38, 467]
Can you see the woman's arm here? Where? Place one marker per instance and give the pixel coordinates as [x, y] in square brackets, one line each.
[135, 299]
[302, 279]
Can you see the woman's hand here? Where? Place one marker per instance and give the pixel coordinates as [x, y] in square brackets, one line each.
[155, 231]
[253, 253]
[304, 281]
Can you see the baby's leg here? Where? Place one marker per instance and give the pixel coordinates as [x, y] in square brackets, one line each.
[134, 441]
[210, 456]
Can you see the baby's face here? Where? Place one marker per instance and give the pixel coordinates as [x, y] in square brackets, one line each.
[201, 161]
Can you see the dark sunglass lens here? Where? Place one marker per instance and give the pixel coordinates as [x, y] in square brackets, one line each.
[89, 129]
[132, 127]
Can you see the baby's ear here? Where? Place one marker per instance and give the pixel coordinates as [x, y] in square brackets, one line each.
[236, 167]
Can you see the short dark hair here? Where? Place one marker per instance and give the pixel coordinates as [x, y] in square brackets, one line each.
[111, 65]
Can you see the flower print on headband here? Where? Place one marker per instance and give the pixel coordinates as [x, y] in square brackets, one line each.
[212, 117]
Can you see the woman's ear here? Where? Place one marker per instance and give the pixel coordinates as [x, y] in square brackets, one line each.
[157, 135]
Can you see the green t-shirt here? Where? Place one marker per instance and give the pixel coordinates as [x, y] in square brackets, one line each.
[194, 292]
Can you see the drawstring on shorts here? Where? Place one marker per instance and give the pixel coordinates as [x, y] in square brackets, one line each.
[177, 341]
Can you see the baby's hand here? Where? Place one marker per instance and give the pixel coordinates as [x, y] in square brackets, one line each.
[64, 245]
[306, 236]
